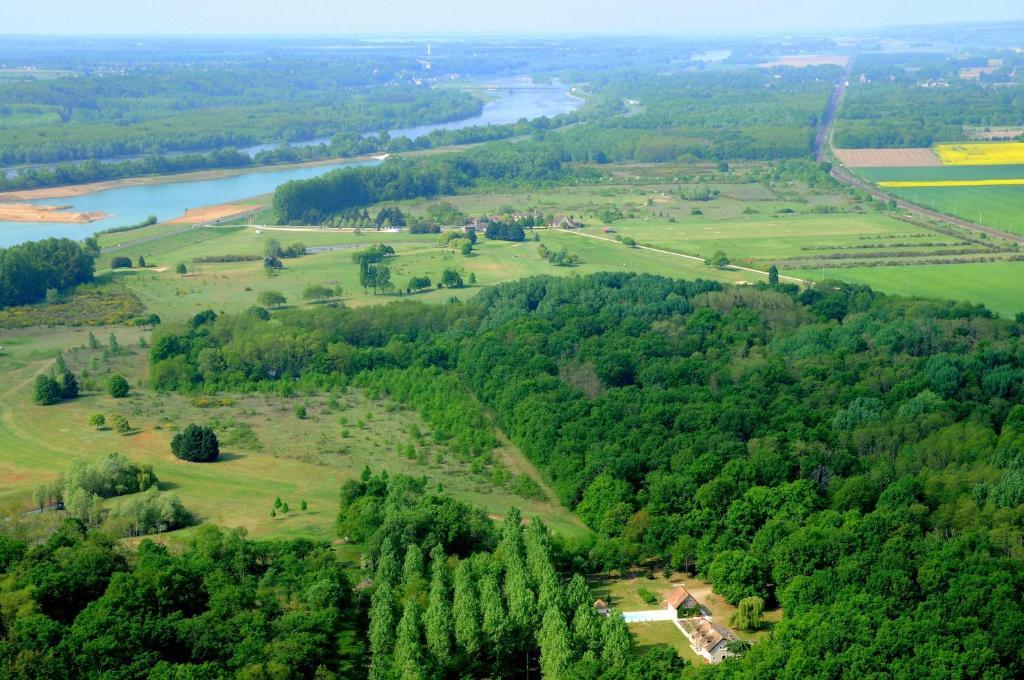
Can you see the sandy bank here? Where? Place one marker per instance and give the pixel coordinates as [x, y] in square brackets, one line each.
[26, 212]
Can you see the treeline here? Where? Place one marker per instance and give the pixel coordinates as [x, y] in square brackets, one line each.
[829, 450]
[175, 109]
[905, 114]
[314, 200]
[29, 270]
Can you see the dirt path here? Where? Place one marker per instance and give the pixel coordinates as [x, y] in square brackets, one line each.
[731, 267]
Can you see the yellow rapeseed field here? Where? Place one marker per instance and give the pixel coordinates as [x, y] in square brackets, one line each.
[994, 153]
[910, 184]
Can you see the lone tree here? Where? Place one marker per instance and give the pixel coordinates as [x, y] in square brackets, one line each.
[121, 263]
[272, 299]
[196, 444]
[68, 385]
[748, 614]
[142, 262]
[97, 420]
[719, 259]
[117, 387]
[181, 269]
[773, 275]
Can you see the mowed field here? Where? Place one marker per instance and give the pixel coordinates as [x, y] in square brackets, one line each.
[267, 451]
[997, 285]
[992, 195]
[235, 286]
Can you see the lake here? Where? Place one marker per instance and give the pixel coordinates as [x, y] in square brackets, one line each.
[512, 99]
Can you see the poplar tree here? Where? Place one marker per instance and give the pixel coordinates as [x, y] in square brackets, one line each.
[437, 619]
[408, 656]
[412, 573]
[383, 616]
[467, 611]
[555, 647]
[617, 644]
[387, 564]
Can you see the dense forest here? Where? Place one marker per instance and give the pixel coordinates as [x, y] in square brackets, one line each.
[917, 100]
[80, 605]
[318, 199]
[161, 110]
[32, 271]
[854, 457]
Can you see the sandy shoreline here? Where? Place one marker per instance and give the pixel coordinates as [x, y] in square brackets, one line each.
[72, 190]
[23, 212]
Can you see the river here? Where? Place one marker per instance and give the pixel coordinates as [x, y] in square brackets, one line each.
[509, 100]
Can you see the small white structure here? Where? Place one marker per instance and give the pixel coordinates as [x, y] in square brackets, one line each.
[601, 607]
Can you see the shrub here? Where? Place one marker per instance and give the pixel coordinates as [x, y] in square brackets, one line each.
[196, 444]
[46, 391]
[97, 420]
[647, 596]
[117, 387]
[181, 268]
[121, 263]
[119, 423]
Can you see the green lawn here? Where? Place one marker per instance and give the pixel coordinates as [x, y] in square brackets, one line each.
[994, 206]
[222, 286]
[998, 285]
[284, 456]
[943, 172]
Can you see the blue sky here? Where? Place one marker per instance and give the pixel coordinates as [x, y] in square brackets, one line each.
[664, 17]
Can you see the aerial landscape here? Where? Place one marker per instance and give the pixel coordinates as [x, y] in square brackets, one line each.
[643, 341]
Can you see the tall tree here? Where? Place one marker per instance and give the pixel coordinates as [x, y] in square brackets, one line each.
[383, 617]
[467, 611]
[616, 642]
[555, 646]
[437, 619]
[408, 656]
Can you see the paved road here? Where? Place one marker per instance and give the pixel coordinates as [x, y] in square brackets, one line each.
[822, 151]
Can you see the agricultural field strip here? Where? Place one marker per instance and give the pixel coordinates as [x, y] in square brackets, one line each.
[688, 257]
[996, 153]
[898, 184]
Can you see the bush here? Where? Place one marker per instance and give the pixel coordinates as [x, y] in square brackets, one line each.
[196, 444]
[121, 263]
[119, 423]
[117, 387]
[97, 420]
[46, 391]
[647, 596]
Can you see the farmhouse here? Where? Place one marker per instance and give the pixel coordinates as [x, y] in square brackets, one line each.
[707, 639]
[678, 599]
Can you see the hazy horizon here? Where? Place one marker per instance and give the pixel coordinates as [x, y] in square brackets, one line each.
[662, 18]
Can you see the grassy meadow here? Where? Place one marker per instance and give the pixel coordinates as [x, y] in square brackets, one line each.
[267, 450]
[997, 285]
